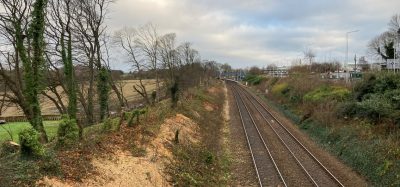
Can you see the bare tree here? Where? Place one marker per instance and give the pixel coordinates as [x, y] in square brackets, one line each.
[90, 28]
[22, 25]
[394, 23]
[148, 42]
[115, 83]
[382, 45]
[254, 70]
[126, 39]
[187, 53]
[226, 68]
[169, 57]
[309, 54]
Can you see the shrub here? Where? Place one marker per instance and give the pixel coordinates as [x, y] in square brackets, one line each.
[253, 79]
[280, 89]
[68, 132]
[347, 109]
[136, 113]
[379, 83]
[30, 145]
[325, 93]
[107, 125]
[375, 107]
[127, 115]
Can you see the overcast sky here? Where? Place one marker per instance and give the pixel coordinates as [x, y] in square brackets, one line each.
[244, 33]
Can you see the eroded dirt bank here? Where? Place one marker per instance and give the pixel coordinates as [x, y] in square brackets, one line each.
[121, 168]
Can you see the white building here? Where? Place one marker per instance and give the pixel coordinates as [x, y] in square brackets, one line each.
[282, 71]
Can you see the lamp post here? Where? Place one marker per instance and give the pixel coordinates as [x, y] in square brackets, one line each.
[396, 49]
[347, 46]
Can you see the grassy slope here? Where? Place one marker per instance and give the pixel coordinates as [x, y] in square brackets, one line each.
[206, 163]
[357, 145]
[16, 127]
[362, 154]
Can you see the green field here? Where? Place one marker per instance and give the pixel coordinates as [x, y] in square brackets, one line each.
[16, 127]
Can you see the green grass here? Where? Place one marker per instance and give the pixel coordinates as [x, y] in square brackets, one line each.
[51, 128]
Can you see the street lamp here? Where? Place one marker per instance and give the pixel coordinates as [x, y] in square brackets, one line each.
[396, 48]
[347, 46]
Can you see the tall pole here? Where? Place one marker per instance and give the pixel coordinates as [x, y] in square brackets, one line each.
[394, 58]
[396, 46]
[347, 46]
[347, 51]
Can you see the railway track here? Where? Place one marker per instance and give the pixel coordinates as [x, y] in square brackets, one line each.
[265, 167]
[304, 162]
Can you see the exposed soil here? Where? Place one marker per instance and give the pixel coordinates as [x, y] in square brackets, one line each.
[208, 106]
[121, 168]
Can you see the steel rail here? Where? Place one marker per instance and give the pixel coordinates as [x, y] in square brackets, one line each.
[291, 135]
[259, 134]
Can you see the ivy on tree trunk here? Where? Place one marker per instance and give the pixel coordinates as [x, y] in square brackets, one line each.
[103, 89]
[33, 65]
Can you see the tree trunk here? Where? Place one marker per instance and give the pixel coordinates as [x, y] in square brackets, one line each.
[33, 66]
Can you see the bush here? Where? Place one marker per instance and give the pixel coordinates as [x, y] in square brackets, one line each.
[325, 93]
[380, 83]
[68, 132]
[253, 79]
[136, 113]
[347, 109]
[127, 115]
[280, 89]
[30, 145]
[375, 107]
[107, 125]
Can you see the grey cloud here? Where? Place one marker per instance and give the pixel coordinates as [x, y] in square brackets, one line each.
[258, 32]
